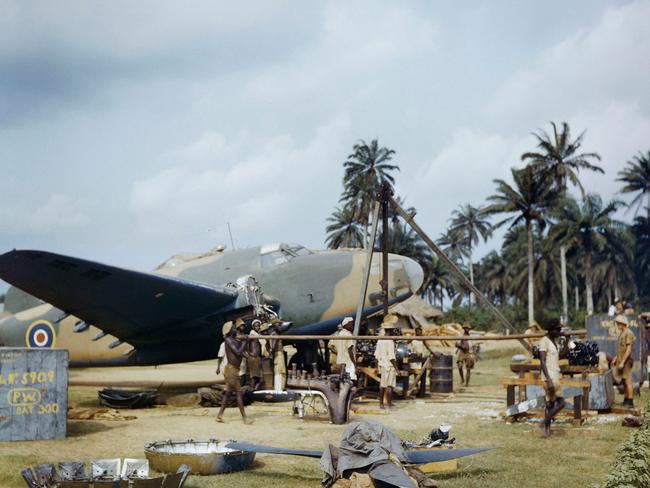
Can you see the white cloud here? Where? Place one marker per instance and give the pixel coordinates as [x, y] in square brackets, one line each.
[58, 213]
[268, 190]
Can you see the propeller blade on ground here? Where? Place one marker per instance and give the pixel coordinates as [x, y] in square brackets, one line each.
[245, 446]
[434, 456]
[414, 457]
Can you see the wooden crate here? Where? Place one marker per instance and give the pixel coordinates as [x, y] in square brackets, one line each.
[33, 393]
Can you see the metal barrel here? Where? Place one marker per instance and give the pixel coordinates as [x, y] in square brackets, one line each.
[441, 377]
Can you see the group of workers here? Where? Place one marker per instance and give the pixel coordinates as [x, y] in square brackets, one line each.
[549, 356]
[245, 359]
[386, 359]
[254, 351]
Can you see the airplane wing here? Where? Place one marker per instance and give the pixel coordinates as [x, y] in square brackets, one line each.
[140, 308]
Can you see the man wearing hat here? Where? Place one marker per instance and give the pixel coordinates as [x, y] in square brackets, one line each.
[243, 367]
[345, 349]
[623, 360]
[465, 356]
[254, 360]
[549, 361]
[386, 362]
[235, 351]
[421, 351]
[276, 350]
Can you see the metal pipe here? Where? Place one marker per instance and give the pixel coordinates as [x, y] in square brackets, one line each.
[409, 220]
[410, 337]
[366, 276]
[385, 195]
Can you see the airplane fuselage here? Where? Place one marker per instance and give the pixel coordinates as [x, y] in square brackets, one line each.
[315, 291]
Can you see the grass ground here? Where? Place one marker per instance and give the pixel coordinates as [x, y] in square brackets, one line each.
[573, 457]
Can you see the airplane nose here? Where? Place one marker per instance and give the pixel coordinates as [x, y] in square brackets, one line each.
[415, 274]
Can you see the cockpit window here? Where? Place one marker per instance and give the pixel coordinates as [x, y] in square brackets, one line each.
[281, 253]
[274, 258]
[298, 250]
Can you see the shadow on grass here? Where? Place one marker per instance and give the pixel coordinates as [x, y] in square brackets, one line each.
[80, 428]
[465, 473]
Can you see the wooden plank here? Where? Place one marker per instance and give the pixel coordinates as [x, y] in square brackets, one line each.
[505, 382]
[371, 372]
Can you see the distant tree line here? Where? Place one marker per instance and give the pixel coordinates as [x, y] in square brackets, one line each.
[559, 253]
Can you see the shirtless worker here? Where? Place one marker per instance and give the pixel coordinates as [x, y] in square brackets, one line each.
[549, 361]
[255, 356]
[465, 356]
[235, 350]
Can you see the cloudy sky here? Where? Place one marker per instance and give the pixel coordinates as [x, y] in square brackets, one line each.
[130, 131]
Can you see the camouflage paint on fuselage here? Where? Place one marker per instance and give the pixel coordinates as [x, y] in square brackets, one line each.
[315, 291]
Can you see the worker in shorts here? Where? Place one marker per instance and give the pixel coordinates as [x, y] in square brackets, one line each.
[276, 351]
[386, 362]
[623, 360]
[235, 351]
[345, 349]
[254, 359]
[465, 356]
[421, 352]
[549, 361]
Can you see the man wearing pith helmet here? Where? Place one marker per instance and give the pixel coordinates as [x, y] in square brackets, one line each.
[623, 359]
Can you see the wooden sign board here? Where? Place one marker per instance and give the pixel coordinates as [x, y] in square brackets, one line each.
[33, 393]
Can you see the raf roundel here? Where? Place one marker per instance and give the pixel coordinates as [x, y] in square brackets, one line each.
[40, 334]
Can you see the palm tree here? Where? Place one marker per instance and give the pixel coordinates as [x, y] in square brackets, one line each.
[613, 267]
[589, 227]
[636, 176]
[525, 203]
[454, 245]
[406, 242]
[496, 277]
[557, 159]
[365, 170]
[344, 229]
[641, 231]
[468, 222]
[558, 162]
[437, 279]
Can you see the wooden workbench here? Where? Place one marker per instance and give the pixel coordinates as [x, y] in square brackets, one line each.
[516, 390]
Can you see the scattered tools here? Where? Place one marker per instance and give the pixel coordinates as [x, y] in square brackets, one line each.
[103, 472]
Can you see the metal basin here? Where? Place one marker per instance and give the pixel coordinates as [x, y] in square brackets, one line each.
[205, 457]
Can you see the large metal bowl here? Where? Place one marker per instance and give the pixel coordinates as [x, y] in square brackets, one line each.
[206, 457]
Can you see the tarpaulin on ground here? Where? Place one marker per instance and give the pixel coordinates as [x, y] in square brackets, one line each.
[367, 447]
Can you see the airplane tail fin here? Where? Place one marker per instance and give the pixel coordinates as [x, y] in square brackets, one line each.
[16, 300]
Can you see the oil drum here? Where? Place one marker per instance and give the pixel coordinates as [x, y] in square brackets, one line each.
[441, 376]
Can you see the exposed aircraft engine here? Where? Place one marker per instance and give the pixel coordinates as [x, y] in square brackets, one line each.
[265, 308]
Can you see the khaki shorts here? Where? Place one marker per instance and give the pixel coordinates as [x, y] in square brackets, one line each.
[388, 377]
[466, 358]
[231, 375]
[255, 367]
[626, 372]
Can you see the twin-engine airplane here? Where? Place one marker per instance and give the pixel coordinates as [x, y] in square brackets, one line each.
[108, 316]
